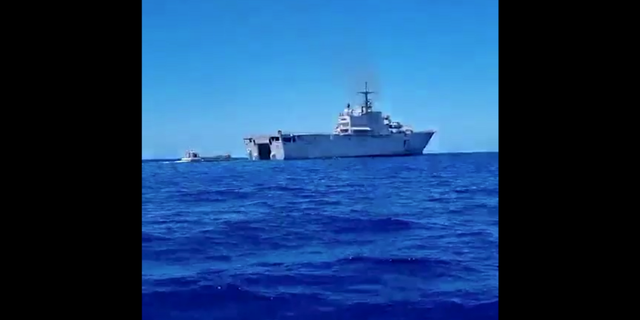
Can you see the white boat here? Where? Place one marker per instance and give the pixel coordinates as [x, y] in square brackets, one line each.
[191, 156]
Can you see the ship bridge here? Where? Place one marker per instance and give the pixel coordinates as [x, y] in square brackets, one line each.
[364, 120]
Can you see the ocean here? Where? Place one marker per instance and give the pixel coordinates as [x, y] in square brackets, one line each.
[364, 238]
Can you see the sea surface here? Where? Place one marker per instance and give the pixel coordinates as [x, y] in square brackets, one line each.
[367, 238]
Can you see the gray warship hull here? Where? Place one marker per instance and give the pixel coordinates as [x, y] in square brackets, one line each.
[318, 146]
[360, 132]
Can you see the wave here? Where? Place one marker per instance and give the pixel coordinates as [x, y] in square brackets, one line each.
[230, 301]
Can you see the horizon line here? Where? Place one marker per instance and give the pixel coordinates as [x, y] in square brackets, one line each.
[424, 154]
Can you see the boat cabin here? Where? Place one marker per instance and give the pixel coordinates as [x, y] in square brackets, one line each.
[192, 154]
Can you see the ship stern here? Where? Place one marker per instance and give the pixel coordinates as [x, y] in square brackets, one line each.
[264, 147]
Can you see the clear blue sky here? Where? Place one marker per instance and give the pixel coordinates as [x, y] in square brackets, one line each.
[216, 70]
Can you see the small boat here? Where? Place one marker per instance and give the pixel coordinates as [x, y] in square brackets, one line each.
[191, 156]
[220, 157]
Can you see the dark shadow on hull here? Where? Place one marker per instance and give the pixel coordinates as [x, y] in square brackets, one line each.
[264, 151]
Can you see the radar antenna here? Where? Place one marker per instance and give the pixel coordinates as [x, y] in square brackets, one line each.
[367, 102]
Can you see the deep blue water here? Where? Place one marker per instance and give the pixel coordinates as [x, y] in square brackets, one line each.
[378, 238]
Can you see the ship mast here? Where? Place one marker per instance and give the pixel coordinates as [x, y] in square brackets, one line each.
[367, 102]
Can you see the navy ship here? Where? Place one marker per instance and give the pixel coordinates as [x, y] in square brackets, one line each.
[360, 132]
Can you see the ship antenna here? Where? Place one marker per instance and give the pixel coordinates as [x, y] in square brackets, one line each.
[367, 102]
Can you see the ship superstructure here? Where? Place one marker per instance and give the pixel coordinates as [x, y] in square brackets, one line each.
[360, 132]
